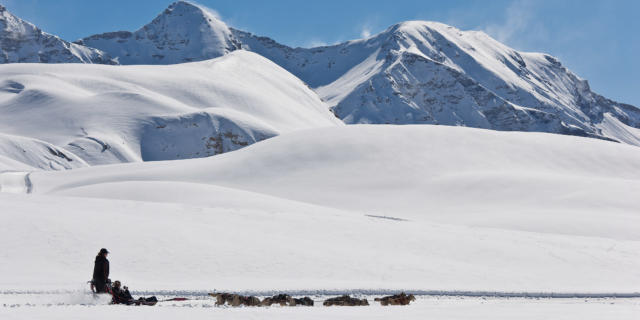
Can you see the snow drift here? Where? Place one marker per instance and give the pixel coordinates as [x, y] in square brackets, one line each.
[110, 114]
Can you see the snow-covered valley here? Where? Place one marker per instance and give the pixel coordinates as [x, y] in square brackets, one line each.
[324, 210]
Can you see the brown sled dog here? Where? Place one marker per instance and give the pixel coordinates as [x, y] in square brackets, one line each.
[345, 301]
[235, 300]
[285, 299]
[396, 300]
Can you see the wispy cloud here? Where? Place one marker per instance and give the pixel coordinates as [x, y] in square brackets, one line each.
[368, 26]
[315, 43]
[520, 26]
[366, 32]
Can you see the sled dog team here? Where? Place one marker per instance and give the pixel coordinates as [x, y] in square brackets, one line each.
[236, 300]
[102, 284]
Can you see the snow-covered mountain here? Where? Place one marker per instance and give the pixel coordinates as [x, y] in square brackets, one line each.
[414, 72]
[421, 72]
[76, 114]
[21, 41]
[184, 32]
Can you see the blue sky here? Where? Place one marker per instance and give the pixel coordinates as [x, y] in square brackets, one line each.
[598, 40]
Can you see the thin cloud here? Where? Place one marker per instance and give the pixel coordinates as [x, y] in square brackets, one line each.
[366, 32]
[368, 26]
[520, 27]
[315, 43]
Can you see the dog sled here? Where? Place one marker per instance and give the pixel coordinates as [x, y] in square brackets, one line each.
[128, 300]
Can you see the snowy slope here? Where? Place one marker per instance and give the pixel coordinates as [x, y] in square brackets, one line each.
[444, 173]
[396, 207]
[184, 32]
[21, 41]
[111, 114]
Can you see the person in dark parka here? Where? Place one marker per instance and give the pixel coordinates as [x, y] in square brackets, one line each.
[101, 271]
[121, 295]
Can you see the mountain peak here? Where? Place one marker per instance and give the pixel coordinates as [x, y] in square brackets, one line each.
[416, 26]
[184, 4]
[181, 8]
[188, 13]
[188, 6]
[183, 32]
[11, 23]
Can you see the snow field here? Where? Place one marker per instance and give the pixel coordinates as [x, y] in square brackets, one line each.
[358, 207]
